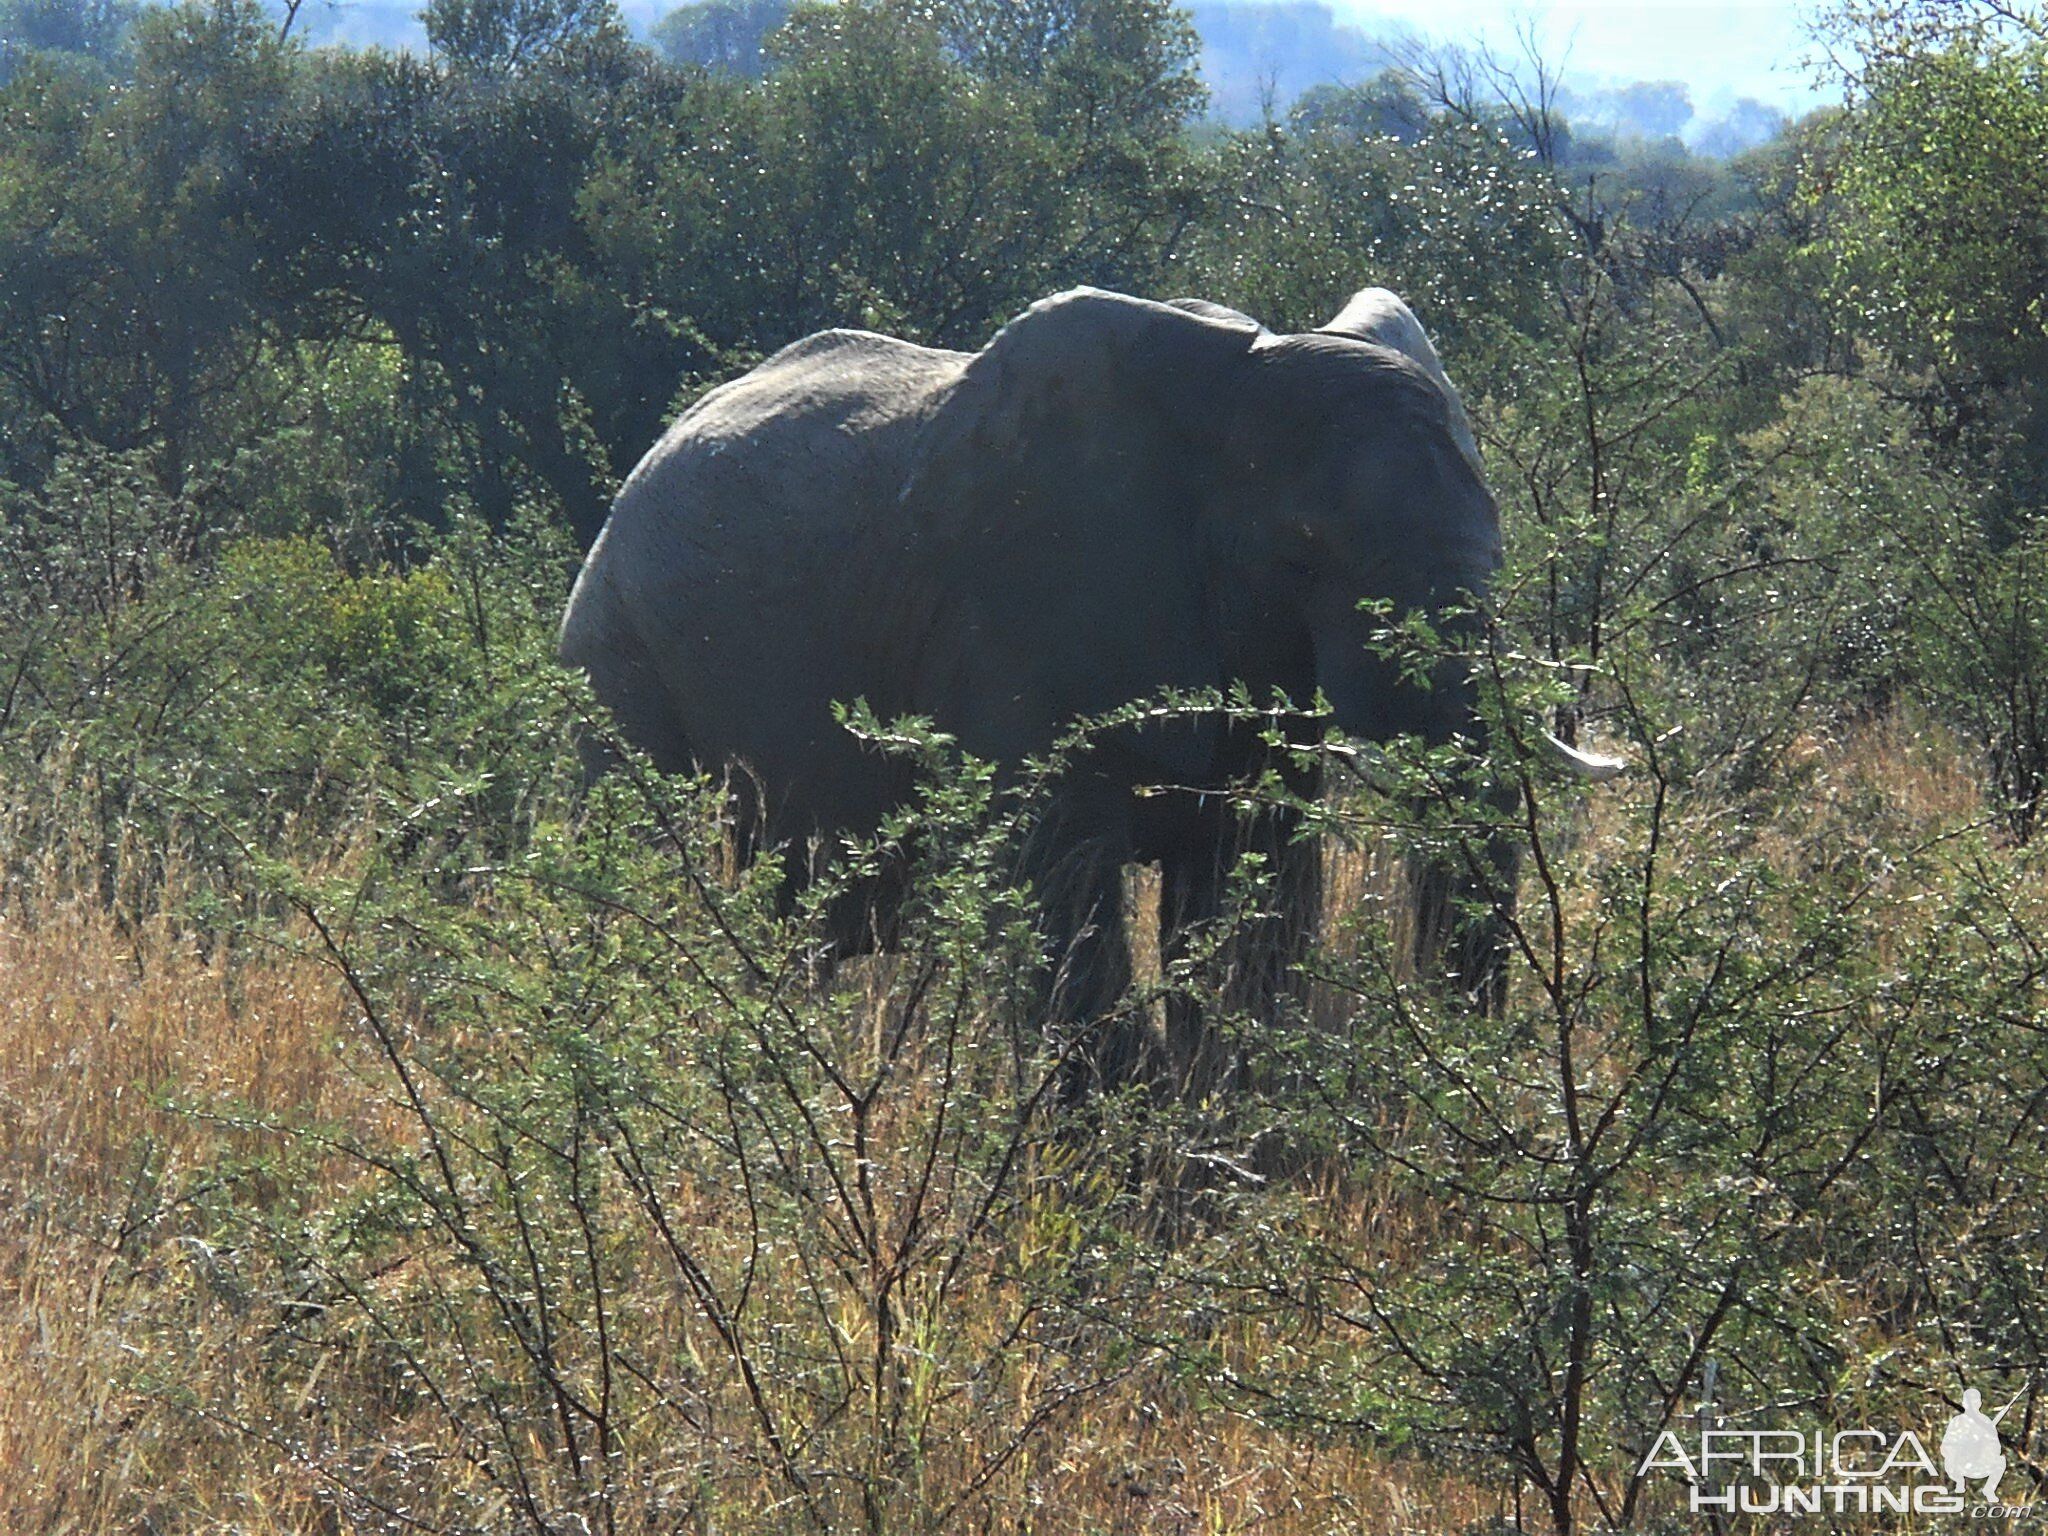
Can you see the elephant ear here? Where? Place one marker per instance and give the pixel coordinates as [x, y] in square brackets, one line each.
[1222, 314]
[1380, 316]
[1056, 510]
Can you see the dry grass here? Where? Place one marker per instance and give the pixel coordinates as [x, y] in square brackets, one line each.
[123, 1314]
[140, 1385]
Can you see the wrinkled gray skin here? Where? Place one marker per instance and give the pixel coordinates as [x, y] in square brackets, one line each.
[1112, 498]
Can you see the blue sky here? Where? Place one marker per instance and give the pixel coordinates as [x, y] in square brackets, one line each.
[1748, 48]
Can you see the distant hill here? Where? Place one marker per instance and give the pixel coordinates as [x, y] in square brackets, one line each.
[1259, 54]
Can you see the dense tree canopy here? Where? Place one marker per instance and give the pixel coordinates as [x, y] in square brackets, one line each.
[553, 229]
[1943, 179]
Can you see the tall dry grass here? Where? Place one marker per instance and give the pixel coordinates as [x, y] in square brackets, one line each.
[142, 1385]
[132, 1063]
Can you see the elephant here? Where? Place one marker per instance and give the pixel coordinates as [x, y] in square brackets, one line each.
[1114, 498]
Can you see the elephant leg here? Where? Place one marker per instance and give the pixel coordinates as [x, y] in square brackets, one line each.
[1253, 969]
[1460, 933]
[1192, 1060]
[1074, 861]
[1088, 986]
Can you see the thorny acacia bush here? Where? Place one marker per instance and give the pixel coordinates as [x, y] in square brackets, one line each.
[639, 1213]
[683, 1221]
[1686, 1175]
[1774, 1018]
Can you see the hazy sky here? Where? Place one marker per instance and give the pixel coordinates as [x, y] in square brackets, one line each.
[1747, 48]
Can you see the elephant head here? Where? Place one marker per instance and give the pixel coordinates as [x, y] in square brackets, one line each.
[1122, 496]
[1352, 489]
[1379, 316]
[1114, 498]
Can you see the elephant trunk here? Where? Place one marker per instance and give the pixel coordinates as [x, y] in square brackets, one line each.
[1463, 896]
[1375, 696]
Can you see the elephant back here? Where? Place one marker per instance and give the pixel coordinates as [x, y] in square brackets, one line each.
[733, 593]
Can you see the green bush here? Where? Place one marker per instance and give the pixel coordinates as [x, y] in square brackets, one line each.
[270, 698]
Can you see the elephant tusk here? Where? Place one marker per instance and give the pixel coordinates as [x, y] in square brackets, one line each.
[1595, 767]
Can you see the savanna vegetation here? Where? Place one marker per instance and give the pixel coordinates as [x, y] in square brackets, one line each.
[403, 1134]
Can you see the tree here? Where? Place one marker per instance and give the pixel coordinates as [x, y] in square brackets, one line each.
[95, 29]
[897, 173]
[1386, 106]
[728, 35]
[442, 210]
[135, 318]
[1656, 109]
[1746, 125]
[1458, 221]
[501, 36]
[1109, 87]
[1941, 174]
